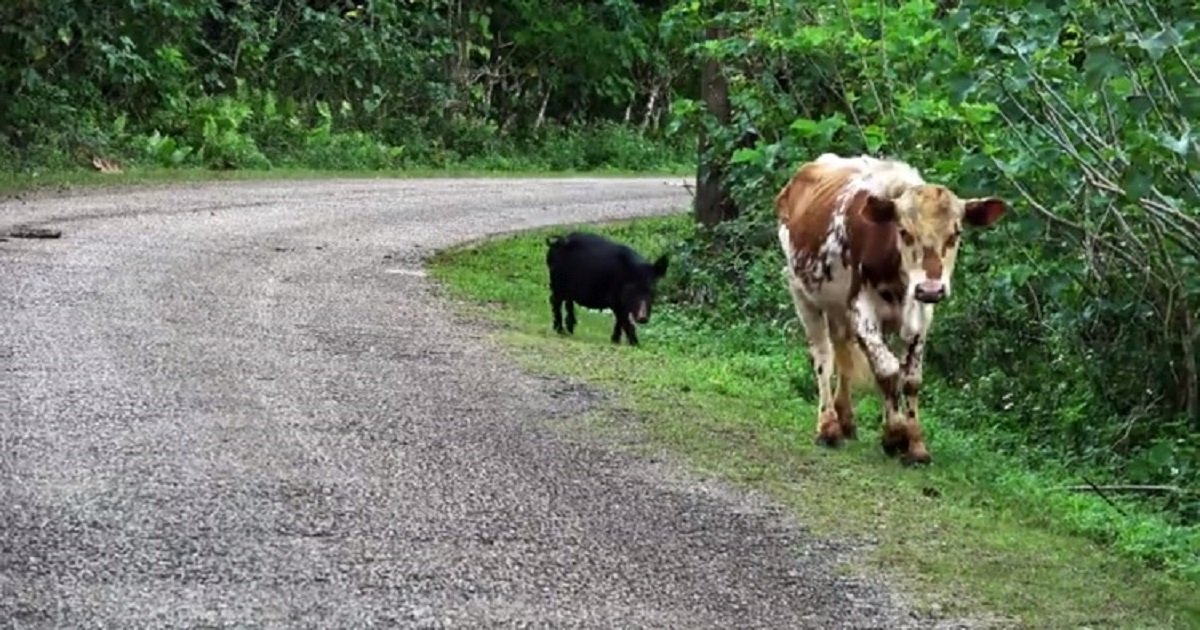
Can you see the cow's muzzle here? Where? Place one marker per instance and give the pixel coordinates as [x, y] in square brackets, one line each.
[930, 291]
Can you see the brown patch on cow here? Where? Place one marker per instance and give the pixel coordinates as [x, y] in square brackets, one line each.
[917, 453]
[984, 211]
[932, 263]
[909, 356]
[845, 409]
[894, 439]
[872, 242]
[807, 203]
[904, 438]
[889, 386]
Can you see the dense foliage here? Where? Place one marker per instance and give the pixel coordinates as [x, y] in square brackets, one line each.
[1072, 338]
[1073, 334]
[334, 84]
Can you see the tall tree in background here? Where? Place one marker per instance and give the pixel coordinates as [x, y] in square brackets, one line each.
[713, 202]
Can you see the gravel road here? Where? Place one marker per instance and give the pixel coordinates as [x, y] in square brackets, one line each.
[241, 404]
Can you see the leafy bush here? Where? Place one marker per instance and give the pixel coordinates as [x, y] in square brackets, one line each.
[1073, 332]
[383, 84]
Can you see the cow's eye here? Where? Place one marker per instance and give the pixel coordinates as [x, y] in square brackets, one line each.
[952, 240]
[906, 236]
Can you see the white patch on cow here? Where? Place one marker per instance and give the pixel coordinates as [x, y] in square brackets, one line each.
[866, 325]
[785, 242]
[917, 317]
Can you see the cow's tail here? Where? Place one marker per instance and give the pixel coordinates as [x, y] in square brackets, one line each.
[851, 361]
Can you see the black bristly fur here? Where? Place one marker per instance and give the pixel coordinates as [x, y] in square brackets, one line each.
[594, 272]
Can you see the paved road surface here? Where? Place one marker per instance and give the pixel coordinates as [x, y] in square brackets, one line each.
[221, 405]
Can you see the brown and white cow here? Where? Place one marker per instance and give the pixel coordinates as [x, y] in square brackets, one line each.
[870, 250]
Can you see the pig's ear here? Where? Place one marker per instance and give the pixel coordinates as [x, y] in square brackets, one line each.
[660, 266]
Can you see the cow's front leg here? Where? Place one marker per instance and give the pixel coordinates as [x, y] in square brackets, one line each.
[911, 386]
[886, 366]
[816, 331]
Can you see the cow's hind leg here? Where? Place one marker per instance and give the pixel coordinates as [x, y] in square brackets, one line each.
[816, 330]
[843, 352]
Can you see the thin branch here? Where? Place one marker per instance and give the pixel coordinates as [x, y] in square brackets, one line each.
[1107, 500]
[1124, 488]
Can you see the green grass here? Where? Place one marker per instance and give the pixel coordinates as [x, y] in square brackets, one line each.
[60, 180]
[973, 534]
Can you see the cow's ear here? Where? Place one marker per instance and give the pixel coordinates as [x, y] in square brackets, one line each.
[660, 266]
[984, 211]
[879, 209]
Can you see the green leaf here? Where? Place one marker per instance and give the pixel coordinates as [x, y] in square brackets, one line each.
[1140, 104]
[875, 136]
[1156, 46]
[1160, 455]
[742, 156]
[960, 19]
[960, 85]
[990, 34]
[1178, 146]
[1121, 86]
[1100, 64]
[1137, 182]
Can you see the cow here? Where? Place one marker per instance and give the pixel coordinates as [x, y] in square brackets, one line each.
[595, 272]
[870, 249]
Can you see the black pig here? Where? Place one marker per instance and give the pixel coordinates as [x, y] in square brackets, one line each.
[594, 272]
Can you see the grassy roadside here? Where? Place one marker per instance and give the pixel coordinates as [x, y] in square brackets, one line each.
[973, 534]
[59, 181]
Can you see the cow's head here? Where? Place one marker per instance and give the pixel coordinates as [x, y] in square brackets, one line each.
[637, 292]
[927, 221]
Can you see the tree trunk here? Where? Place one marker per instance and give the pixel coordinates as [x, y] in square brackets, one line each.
[541, 117]
[713, 202]
[649, 108]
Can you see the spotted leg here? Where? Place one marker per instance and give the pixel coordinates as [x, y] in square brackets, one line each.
[829, 431]
[886, 366]
[911, 384]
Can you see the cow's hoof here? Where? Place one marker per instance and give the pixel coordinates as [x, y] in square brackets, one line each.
[895, 439]
[916, 459]
[829, 432]
[845, 415]
[827, 441]
[894, 445]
